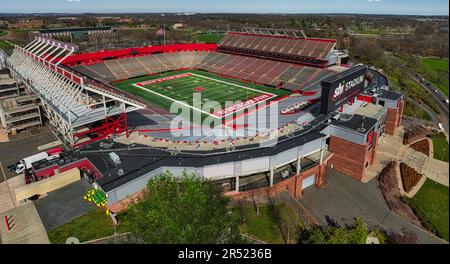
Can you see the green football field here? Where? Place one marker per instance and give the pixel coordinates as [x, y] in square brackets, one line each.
[181, 87]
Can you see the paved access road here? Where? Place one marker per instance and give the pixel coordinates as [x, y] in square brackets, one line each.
[435, 94]
[345, 199]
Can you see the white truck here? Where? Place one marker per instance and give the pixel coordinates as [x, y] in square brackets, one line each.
[25, 163]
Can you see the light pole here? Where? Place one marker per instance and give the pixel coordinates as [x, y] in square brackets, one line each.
[443, 153]
[437, 179]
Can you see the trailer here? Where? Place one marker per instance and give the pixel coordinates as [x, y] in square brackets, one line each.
[26, 162]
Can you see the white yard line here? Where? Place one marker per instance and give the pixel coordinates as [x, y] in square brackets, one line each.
[173, 100]
[204, 112]
[237, 85]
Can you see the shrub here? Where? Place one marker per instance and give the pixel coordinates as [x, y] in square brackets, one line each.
[405, 237]
[410, 177]
[414, 134]
[391, 192]
[422, 146]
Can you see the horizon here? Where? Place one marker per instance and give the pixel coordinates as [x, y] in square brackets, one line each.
[214, 13]
[288, 7]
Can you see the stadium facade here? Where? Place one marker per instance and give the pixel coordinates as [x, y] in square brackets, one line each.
[332, 118]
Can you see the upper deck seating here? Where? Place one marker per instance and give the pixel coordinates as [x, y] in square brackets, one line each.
[293, 49]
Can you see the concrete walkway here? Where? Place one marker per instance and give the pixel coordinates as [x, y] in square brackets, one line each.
[433, 169]
[25, 226]
[391, 148]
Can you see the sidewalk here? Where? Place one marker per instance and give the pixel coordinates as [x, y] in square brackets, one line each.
[25, 226]
[433, 169]
[391, 148]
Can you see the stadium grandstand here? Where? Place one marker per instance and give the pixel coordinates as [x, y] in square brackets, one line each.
[323, 109]
[72, 103]
[311, 51]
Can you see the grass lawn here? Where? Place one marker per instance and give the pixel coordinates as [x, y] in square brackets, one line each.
[438, 66]
[181, 86]
[440, 147]
[93, 225]
[435, 64]
[432, 69]
[431, 205]
[264, 227]
[97, 224]
[5, 45]
[415, 111]
[209, 38]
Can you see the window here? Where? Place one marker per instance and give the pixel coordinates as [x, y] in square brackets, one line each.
[381, 103]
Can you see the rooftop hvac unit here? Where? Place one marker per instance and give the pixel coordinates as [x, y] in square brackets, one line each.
[345, 117]
[115, 158]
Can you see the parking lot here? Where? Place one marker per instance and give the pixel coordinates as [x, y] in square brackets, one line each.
[20, 146]
[64, 205]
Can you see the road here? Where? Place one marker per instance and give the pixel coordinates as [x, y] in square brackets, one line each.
[435, 94]
[438, 98]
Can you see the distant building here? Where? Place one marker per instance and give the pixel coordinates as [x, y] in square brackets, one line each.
[178, 25]
[77, 33]
[69, 18]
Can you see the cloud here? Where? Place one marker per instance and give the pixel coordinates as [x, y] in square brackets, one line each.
[73, 0]
[370, 1]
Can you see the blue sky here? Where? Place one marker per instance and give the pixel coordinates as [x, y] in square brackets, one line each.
[416, 7]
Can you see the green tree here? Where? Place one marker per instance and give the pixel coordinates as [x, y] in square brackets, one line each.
[183, 210]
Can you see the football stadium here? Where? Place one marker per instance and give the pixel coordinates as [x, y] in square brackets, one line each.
[264, 112]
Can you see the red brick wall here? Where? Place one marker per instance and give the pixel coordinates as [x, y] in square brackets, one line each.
[293, 185]
[349, 158]
[391, 121]
[394, 118]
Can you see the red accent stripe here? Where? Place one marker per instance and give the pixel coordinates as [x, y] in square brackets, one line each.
[255, 109]
[99, 56]
[7, 223]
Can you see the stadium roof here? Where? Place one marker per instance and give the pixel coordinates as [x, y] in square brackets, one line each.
[77, 29]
